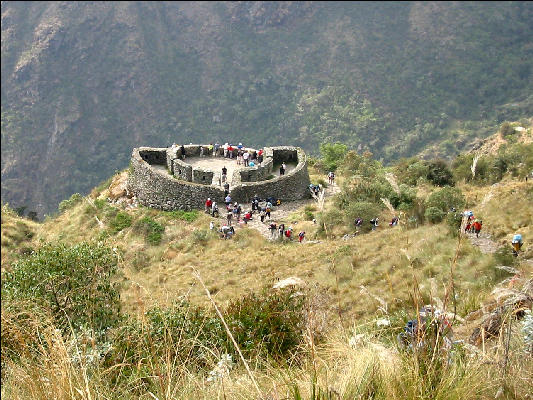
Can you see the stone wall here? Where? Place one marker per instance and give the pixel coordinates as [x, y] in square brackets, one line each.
[157, 189]
[181, 170]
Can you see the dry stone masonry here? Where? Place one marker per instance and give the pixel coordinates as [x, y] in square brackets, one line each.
[161, 179]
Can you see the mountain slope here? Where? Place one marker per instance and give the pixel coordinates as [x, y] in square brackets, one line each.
[85, 82]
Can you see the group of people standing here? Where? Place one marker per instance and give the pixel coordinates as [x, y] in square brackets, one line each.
[246, 157]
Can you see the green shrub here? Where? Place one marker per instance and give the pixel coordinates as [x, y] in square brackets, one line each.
[152, 230]
[446, 198]
[454, 220]
[506, 129]
[434, 215]
[121, 221]
[200, 236]
[439, 173]
[189, 216]
[504, 256]
[74, 283]
[332, 155]
[364, 210]
[267, 324]
[308, 215]
[67, 204]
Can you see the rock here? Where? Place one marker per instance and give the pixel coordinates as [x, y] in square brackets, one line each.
[292, 281]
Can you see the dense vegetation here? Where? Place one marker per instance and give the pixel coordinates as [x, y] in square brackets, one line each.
[84, 83]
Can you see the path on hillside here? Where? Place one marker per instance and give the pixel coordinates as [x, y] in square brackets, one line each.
[278, 213]
[484, 242]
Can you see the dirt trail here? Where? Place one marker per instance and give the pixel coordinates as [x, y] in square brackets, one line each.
[484, 242]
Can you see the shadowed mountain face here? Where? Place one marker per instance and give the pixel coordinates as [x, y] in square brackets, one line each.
[85, 82]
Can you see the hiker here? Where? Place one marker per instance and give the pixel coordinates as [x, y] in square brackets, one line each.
[235, 212]
[272, 228]
[239, 156]
[246, 158]
[182, 149]
[260, 157]
[288, 233]
[516, 243]
[331, 177]
[227, 200]
[239, 211]
[477, 226]
[215, 151]
[225, 147]
[227, 231]
[247, 217]
[230, 151]
[317, 190]
[268, 210]
[394, 222]
[358, 223]
[211, 225]
[224, 174]
[281, 230]
[282, 169]
[226, 189]
[301, 236]
[262, 214]
[374, 223]
[208, 204]
[201, 151]
[214, 209]
[229, 217]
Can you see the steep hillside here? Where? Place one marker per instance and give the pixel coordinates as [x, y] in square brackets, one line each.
[84, 82]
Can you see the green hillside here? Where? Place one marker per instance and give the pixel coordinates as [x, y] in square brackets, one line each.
[111, 300]
[85, 82]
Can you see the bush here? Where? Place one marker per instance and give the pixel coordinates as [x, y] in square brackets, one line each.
[434, 215]
[152, 230]
[74, 283]
[446, 198]
[189, 216]
[454, 220]
[67, 204]
[439, 173]
[200, 236]
[506, 129]
[332, 155]
[121, 221]
[364, 210]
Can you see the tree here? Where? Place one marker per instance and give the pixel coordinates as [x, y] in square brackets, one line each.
[74, 283]
[332, 154]
[440, 174]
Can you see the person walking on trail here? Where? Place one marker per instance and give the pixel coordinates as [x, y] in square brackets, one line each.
[281, 230]
[211, 225]
[214, 209]
[394, 221]
[301, 236]
[273, 229]
[282, 169]
[247, 217]
[215, 150]
[477, 226]
[331, 177]
[516, 243]
[358, 223]
[202, 151]
[208, 204]
[262, 214]
[227, 200]
[229, 217]
[239, 211]
[224, 174]
[225, 148]
[182, 149]
[374, 223]
[268, 210]
[230, 151]
[226, 189]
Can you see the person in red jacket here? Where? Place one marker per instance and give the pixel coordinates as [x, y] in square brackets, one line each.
[208, 204]
[477, 226]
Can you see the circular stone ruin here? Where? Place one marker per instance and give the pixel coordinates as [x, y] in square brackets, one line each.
[162, 178]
